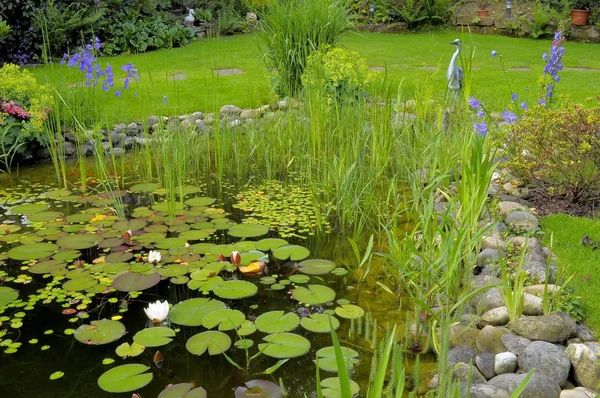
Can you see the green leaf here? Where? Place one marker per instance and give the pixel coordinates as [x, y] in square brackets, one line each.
[226, 319]
[327, 359]
[316, 266]
[57, 375]
[248, 230]
[183, 390]
[190, 312]
[277, 322]
[33, 251]
[212, 341]
[284, 345]
[125, 378]
[235, 289]
[313, 294]
[293, 252]
[349, 311]
[7, 295]
[154, 337]
[126, 350]
[319, 323]
[100, 332]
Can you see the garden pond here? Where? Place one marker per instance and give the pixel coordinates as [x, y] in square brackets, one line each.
[75, 279]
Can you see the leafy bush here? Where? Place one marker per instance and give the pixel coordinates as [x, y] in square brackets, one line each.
[559, 149]
[291, 30]
[342, 74]
[24, 106]
[4, 29]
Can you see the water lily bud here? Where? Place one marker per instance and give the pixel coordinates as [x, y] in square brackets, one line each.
[236, 258]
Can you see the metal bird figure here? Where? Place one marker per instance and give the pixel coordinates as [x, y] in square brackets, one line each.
[455, 73]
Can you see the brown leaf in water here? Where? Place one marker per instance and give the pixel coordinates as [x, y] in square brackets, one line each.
[158, 359]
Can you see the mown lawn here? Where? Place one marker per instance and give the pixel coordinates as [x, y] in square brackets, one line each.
[418, 61]
[577, 259]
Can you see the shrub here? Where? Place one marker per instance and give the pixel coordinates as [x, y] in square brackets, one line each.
[342, 74]
[24, 105]
[559, 149]
[293, 29]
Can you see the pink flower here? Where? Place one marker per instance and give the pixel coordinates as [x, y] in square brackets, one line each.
[14, 110]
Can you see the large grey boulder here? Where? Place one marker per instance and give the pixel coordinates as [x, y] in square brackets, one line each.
[494, 317]
[515, 344]
[464, 371]
[490, 339]
[550, 328]
[548, 360]
[230, 110]
[585, 368]
[485, 363]
[539, 386]
[522, 221]
[461, 353]
[483, 391]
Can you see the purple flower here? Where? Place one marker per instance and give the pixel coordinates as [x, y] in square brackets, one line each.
[524, 105]
[509, 117]
[118, 93]
[474, 103]
[480, 128]
[97, 43]
[480, 113]
[494, 53]
[542, 102]
[545, 56]
[164, 99]
[554, 63]
[514, 96]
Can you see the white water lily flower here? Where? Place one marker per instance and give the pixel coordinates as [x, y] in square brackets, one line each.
[158, 311]
[154, 256]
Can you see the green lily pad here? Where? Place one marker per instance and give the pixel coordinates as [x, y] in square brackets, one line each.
[173, 270]
[331, 388]
[79, 241]
[125, 378]
[327, 360]
[258, 389]
[313, 294]
[45, 216]
[277, 322]
[67, 255]
[7, 295]
[164, 206]
[349, 311]
[205, 285]
[133, 281]
[227, 319]
[79, 284]
[248, 230]
[284, 345]
[319, 323]
[235, 289]
[316, 266]
[100, 332]
[154, 337]
[169, 243]
[133, 225]
[243, 344]
[33, 251]
[213, 341]
[190, 312]
[300, 279]
[57, 375]
[270, 244]
[183, 390]
[57, 193]
[118, 257]
[150, 237]
[293, 252]
[47, 267]
[129, 350]
[339, 271]
[29, 208]
[143, 187]
[246, 328]
[79, 217]
[109, 243]
[200, 201]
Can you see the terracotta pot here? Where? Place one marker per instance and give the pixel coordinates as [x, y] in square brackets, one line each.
[579, 17]
[483, 13]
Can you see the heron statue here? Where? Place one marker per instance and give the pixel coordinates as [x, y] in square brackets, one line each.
[455, 73]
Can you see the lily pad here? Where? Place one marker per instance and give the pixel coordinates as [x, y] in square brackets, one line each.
[248, 230]
[119, 257]
[331, 388]
[125, 378]
[327, 360]
[79, 241]
[246, 328]
[190, 312]
[270, 244]
[143, 187]
[169, 243]
[227, 319]
[33, 251]
[313, 294]
[100, 332]
[7, 295]
[205, 285]
[235, 289]
[183, 390]
[316, 266]
[133, 225]
[284, 345]
[29, 208]
[300, 279]
[129, 350]
[349, 311]
[154, 337]
[212, 341]
[80, 217]
[277, 322]
[258, 389]
[57, 193]
[133, 281]
[293, 252]
[47, 267]
[200, 201]
[79, 284]
[45, 216]
[67, 255]
[243, 344]
[319, 323]
[173, 270]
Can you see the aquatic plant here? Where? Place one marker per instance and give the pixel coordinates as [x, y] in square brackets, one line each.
[158, 311]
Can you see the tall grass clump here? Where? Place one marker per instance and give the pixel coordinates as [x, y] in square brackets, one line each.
[291, 30]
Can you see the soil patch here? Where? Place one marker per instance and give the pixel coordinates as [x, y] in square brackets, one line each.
[546, 204]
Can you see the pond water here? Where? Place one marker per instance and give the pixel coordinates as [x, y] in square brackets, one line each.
[73, 261]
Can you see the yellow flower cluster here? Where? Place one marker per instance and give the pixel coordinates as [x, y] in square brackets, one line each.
[18, 84]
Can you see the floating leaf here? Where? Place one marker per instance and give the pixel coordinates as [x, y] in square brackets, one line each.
[258, 389]
[66, 255]
[125, 378]
[277, 322]
[293, 252]
[200, 201]
[154, 337]
[327, 360]
[319, 323]
[190, 312]
[246, 328]
[300, 278]
[349, 311]
[227, 319]
[100, 332]
[313, 294]
[78, 241]
[213, 341]
[173, 270]
[331, 388]
[107, 361]
[235, 289]
[183, 390]
[7, 295]
[243, 344]
[33, 251]
[45, 216]
[133, 225]
[133, 281]
[169, 243]
[143, 187]
[316, 266]
[270, 244]
[284, 345]
[29, 208]
[57, 375]
[79, 284]
[248, 230]
[126, 350]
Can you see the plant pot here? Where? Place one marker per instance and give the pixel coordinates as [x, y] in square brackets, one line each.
[579, 17]
[483, 13]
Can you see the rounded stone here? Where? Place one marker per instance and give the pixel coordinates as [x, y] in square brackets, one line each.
[539, 386]
[550, 328]
[490, 339]
[522, 220]
[585, 367]
[546, 359]
[505, 362]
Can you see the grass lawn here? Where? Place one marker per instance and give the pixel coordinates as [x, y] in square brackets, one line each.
[576, 259]
[417, 60]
